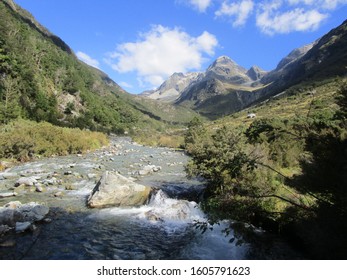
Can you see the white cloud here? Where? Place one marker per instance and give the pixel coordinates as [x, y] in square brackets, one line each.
[200, 5]
[239, 10]
[322, 4]
[87, 59]
[161, 52]
[272, 18]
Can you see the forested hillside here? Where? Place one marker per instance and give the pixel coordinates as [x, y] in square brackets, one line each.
[42, 80]
[284, 171]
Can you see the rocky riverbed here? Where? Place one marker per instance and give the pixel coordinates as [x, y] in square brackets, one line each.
[44, 211]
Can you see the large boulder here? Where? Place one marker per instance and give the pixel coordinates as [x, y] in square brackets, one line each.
[116, 190]
[21, 216]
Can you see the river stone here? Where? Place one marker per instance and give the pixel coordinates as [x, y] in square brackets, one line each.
[31, 212]
[149, 169]
[114, 189]
[7, 216]
[22, 226]
[27, 181]
[8, 194]
[39, 189]
[8, 175]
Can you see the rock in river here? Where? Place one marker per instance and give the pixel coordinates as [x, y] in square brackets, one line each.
[21, 216]
[114, 189]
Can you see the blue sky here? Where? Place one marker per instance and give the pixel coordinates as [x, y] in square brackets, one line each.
[139, 43]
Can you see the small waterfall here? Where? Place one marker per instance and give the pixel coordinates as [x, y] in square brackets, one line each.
[165, 209]
[160, 209]
[175, 219]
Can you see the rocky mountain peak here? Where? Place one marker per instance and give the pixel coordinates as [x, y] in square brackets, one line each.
[256, 73]
[227, 70]
[173, 86]
[224, 61]
[294, 55]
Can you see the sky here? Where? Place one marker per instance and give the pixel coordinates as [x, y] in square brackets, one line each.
[140, 43]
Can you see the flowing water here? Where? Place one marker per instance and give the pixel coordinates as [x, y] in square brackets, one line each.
[162, 229]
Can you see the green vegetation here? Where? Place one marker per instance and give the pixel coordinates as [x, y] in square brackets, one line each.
[285, 172]
[42, 80]
[172, 138]
[22, 140]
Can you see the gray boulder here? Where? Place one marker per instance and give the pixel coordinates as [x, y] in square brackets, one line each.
[31, 212]
[114, 189]
[15, 211]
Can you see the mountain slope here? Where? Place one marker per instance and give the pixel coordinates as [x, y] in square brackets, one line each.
[225, 88]
[172, 88]
[226, 70]
[323, 59]
[42, 79]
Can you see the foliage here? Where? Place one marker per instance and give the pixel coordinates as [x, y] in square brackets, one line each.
[324, 175]
[23, 140]
[41, 80]
[287, 175]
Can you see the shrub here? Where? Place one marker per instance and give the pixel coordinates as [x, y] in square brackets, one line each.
[24, 139]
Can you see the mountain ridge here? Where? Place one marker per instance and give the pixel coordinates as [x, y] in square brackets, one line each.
[227, 85]
[223, 69]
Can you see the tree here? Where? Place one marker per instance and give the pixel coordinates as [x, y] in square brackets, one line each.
[324, 175]
[9, 99]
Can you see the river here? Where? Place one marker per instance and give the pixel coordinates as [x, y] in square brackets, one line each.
[78, 232]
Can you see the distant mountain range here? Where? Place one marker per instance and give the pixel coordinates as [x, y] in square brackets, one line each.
[226, 87]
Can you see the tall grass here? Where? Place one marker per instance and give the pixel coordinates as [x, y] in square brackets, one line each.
[24, 139]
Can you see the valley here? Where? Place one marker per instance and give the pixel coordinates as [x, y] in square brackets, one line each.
[258, 157]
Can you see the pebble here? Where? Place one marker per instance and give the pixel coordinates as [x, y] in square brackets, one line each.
[39, 189]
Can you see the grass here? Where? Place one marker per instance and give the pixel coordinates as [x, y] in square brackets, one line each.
[23, 140]
[295, 102]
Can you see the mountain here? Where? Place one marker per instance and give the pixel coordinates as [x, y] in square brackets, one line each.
[198, 91]
[256, 73]
[323, 59]
[226, 70]
[172, 88]
[286, 64]
[226, 87]
[41, 79]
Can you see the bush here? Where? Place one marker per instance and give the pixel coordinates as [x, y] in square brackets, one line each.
[23, 140]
